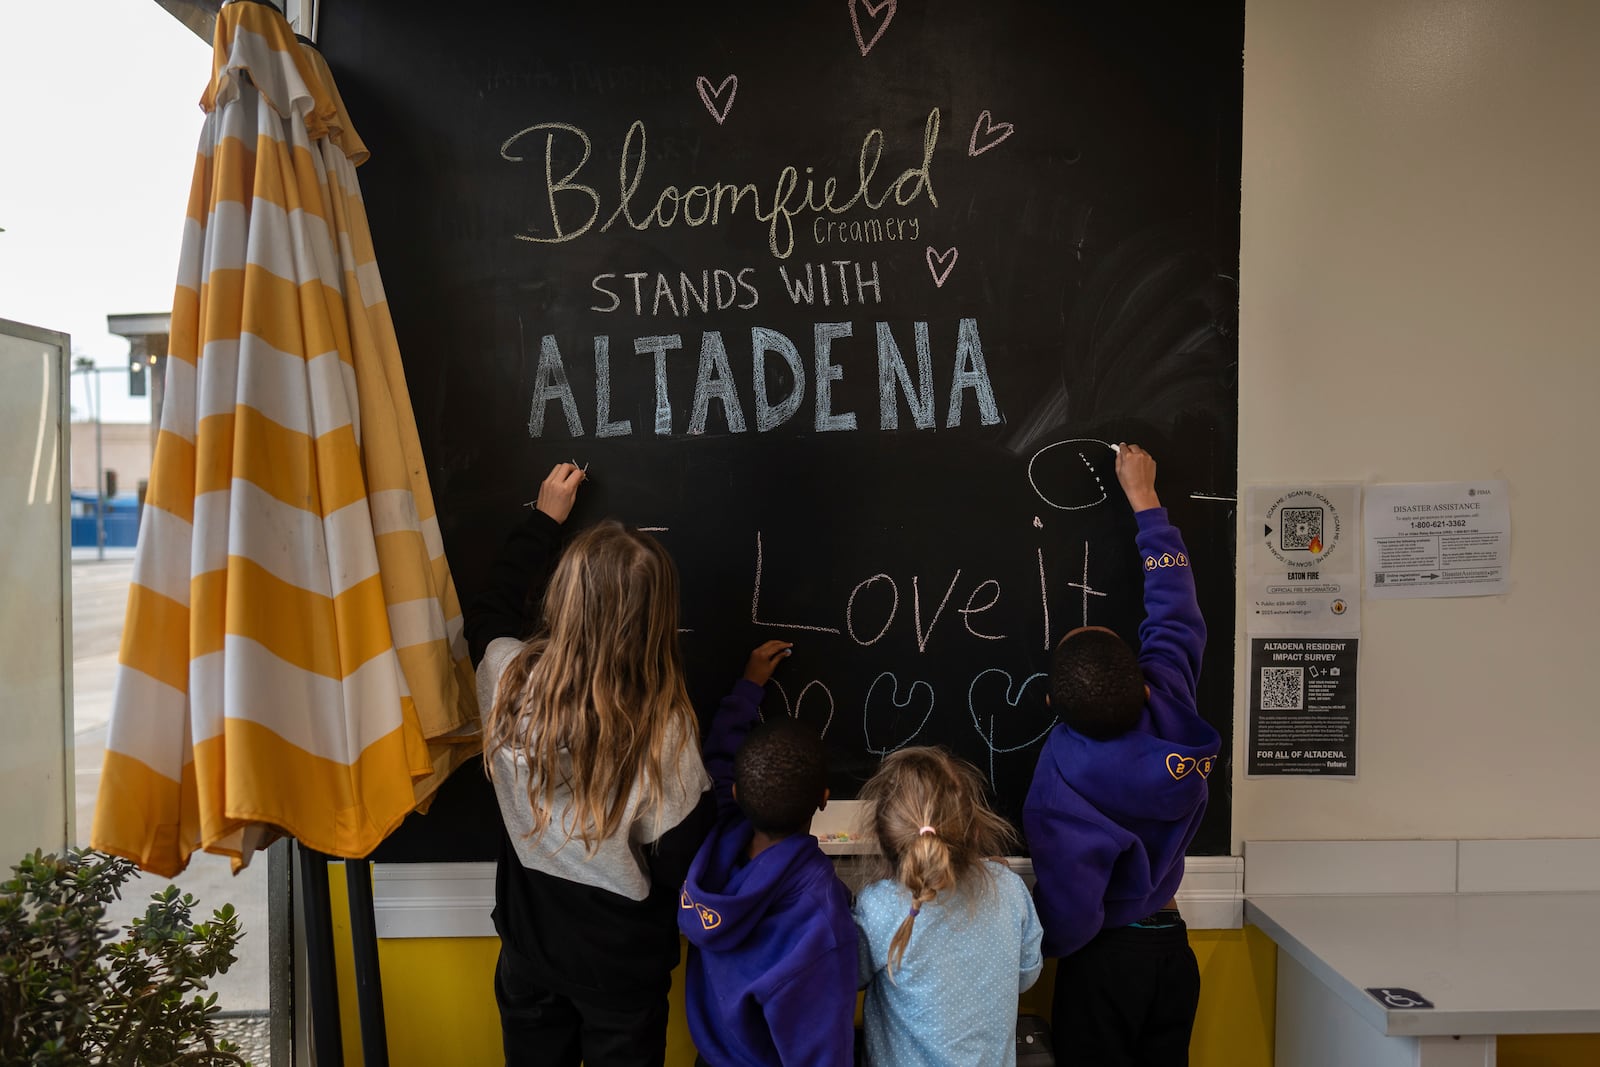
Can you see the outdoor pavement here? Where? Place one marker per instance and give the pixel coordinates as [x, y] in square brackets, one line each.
[99, 601]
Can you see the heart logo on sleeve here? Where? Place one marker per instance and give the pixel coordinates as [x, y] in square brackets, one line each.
[708, 918]
[1179, 766]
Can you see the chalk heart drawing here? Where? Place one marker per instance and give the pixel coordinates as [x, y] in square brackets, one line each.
[885, 8]
[990, 131]
[880, 695]
[795, 707]
[1057, 472]
[940, 264]
[1179, 765]
[984, 705]
[711, 97]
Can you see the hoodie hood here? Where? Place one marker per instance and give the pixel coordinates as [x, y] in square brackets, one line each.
[1137, 777]
[772, 952]
[726, 898]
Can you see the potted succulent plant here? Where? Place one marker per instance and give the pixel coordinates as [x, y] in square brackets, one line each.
[73, 990]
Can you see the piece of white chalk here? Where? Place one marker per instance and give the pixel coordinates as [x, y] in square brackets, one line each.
[1116, 448]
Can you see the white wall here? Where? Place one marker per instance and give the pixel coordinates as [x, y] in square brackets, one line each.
[1421, 301]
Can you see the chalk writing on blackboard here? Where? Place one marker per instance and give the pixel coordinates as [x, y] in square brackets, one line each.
[795, 708]
[575, 206]
[715, 382]
[1054, 497]
[713, 98]
[893, 699]
[990, 131]
[1013, 698]
[885, 8]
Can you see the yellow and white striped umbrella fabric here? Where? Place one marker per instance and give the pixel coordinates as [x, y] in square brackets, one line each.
[293, 659]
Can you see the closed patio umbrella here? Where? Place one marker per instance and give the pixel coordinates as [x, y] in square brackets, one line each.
[292, 660]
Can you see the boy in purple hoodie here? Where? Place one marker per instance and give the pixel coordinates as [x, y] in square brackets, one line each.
[1116, 798]
[772, 945]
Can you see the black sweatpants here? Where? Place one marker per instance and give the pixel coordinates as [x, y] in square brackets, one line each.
[542, 1028]
[1127, 999]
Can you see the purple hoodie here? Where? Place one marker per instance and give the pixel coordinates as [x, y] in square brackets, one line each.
[772, 945]
[1108, 822]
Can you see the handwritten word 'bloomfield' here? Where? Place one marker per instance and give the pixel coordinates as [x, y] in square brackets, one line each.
[700, 205]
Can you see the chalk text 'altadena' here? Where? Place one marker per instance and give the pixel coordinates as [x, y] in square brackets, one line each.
[772, 357]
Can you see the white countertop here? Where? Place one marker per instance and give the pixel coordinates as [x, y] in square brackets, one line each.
[1492, 963]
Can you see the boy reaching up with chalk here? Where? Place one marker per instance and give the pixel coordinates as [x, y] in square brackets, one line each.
[1116, 798]
[772, 944]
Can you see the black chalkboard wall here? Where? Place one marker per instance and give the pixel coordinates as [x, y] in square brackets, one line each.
[841, 298]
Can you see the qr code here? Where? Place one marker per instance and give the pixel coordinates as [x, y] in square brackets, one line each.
[1300, 528]
[1283, 688]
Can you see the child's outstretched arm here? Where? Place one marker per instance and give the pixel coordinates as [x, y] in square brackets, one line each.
[498, 610]
[737, 715]
[1173, 634]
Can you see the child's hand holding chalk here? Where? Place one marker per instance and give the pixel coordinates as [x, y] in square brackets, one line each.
[559, 490]
[765, 659]
[1136, 471]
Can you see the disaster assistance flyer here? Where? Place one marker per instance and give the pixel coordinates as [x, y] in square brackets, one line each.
[1303, 587]
[1438, 539]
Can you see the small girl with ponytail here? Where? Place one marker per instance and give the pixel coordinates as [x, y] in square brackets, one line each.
[949, 938]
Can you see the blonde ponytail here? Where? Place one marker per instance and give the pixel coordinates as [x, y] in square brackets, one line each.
[934, 829]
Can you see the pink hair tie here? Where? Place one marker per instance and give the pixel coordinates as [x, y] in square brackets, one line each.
[927, 830]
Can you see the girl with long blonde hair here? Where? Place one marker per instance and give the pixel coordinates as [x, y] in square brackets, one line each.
[592, 746]
[949, 938]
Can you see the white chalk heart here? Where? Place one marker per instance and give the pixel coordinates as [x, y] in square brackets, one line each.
[900, 704]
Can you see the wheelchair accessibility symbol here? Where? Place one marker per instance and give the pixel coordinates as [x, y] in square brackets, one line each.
[1394, 997]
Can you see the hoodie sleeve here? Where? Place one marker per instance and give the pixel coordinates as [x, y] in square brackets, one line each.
[497, 611]
[736, 716]
[1173, 634]
[812, 1016]
[1072, 862]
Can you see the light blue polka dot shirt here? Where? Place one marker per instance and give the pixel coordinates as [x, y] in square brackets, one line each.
[953, 998]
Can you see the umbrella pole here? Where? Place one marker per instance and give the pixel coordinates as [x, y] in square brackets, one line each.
[327, 1043]
[369, 983]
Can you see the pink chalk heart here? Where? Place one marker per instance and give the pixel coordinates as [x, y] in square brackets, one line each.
[940, 264]
[711, 97]
[886, 7]
[993, 133]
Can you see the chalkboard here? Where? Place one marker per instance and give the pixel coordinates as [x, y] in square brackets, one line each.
[843, 300]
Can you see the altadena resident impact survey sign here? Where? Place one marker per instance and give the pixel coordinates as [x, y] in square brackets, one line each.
[1303, 587]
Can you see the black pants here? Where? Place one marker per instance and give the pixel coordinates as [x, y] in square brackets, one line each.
[541, 1028]
[1127, 999]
